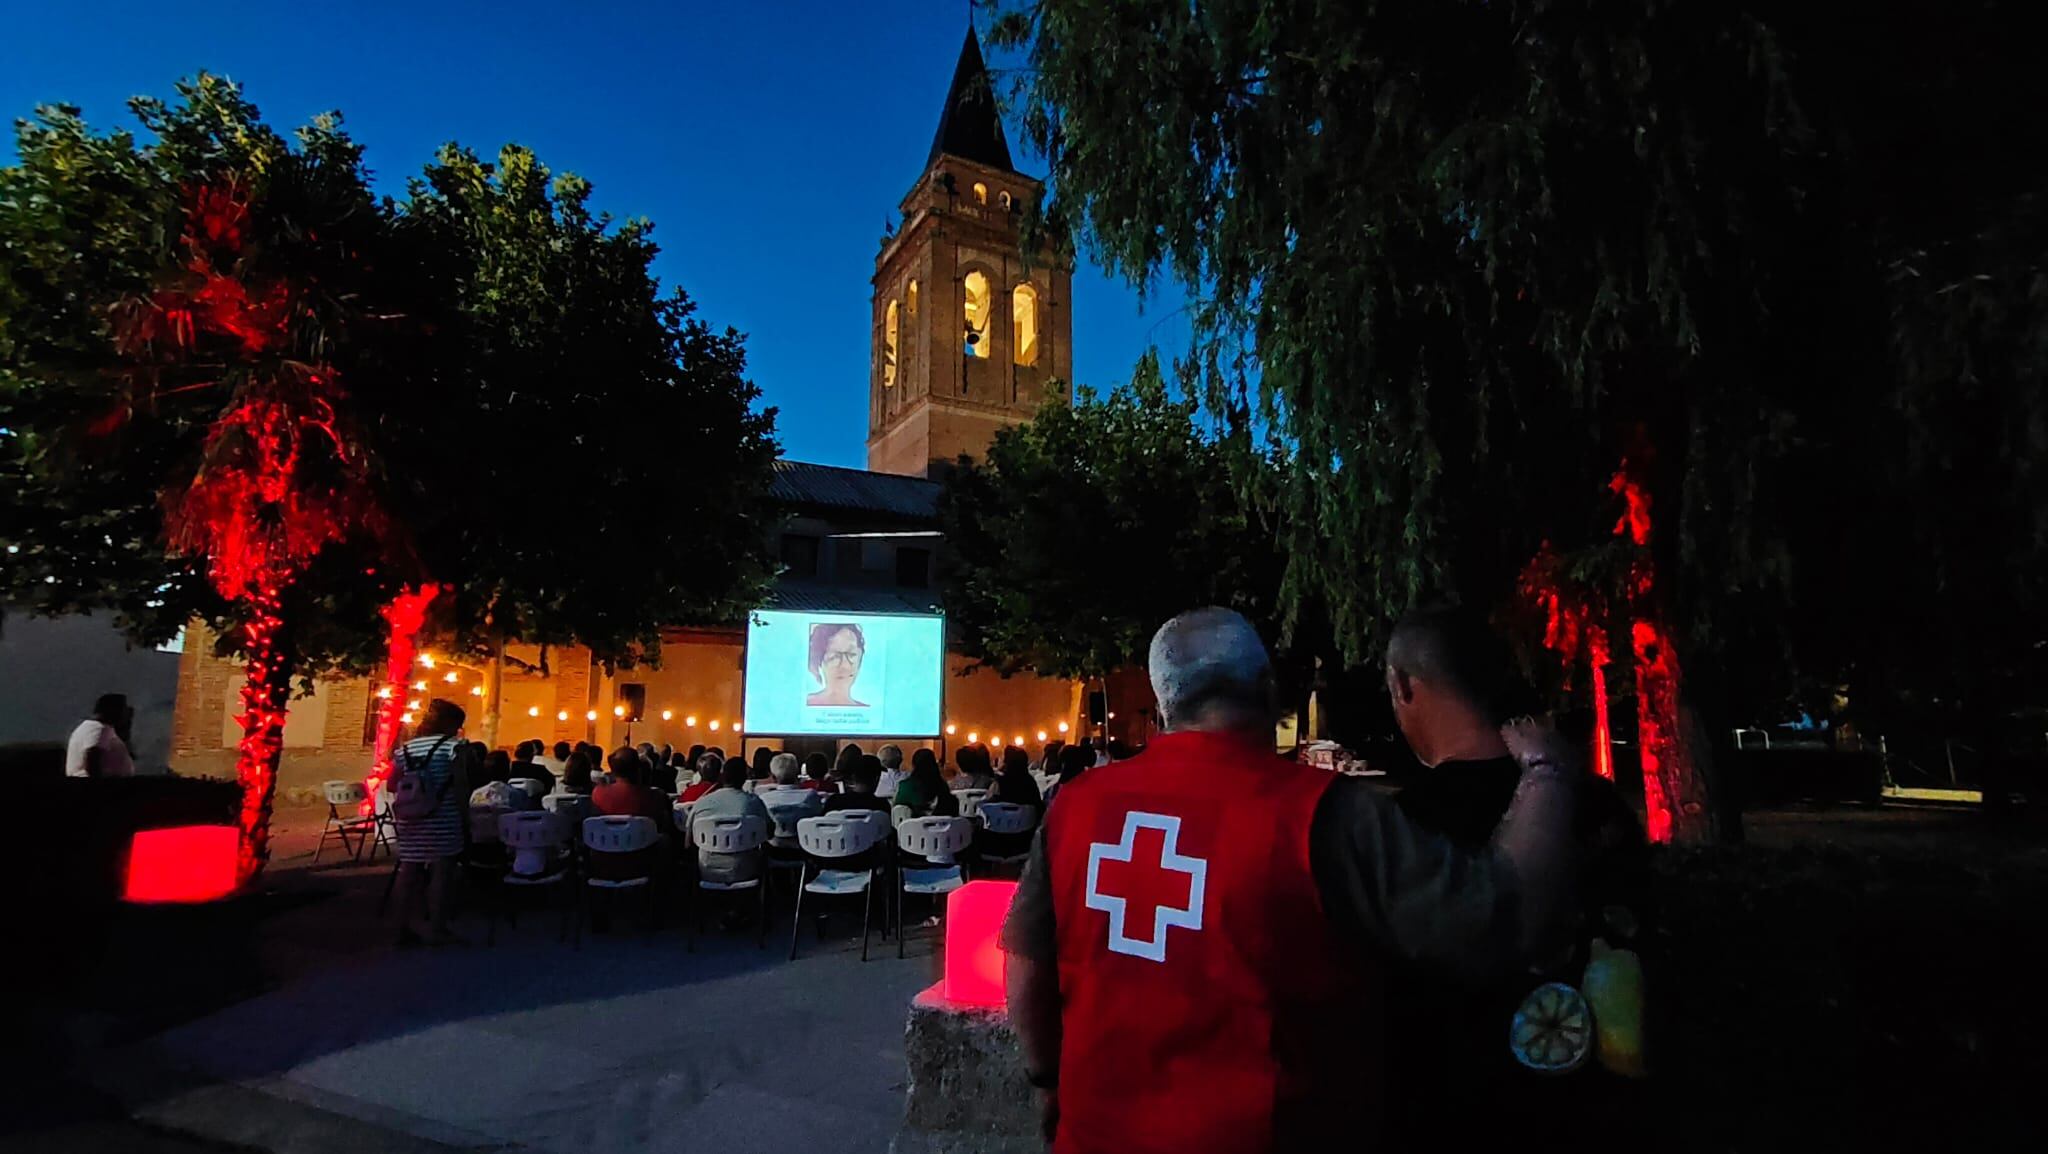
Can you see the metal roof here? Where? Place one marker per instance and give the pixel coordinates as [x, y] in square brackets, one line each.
[827, 487]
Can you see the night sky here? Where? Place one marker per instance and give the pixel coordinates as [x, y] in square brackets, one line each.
[767, 141]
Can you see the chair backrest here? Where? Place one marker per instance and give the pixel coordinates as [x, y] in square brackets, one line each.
[531, 829]
[935, 838]
[729, 834]
[483, 824]
[898, 814]
[970, 800]
[1007, 817]
[534, 786]
[615, 833]
[786, 818]
[837, 835]
[345, 795]
[681, 811]
[573, 807]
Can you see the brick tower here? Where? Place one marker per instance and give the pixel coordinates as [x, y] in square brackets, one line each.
[966, 339]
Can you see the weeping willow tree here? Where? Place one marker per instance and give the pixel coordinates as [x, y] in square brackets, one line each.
[1616, 287]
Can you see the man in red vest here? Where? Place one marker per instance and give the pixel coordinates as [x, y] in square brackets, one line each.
[1193, 945]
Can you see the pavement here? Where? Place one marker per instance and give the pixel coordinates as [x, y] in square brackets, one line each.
[628, 1043]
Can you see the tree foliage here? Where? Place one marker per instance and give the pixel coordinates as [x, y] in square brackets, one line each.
[497, 339]
[1467, 258]
[1086, 528]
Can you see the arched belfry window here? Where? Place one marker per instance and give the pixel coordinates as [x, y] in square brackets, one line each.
[980, 193]
[974, 308]
[910, 299]
[1024, 325]
[889, 346]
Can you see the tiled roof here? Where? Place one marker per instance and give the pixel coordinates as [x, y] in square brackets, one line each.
[817, 597]
[801, 484]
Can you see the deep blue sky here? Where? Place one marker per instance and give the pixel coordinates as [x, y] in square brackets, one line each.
[768, 141]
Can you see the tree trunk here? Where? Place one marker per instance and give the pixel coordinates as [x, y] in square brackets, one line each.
[404, 617]
[494, 686]
[266, 693]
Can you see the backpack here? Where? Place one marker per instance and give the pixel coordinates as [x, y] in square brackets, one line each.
[412, 798]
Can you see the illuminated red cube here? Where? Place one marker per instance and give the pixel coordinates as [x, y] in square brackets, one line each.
[192, 863]
[974, 957]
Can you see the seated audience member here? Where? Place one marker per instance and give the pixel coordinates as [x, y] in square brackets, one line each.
[818, 774]
[559, 759]
[696, 751]
[924, 791]
[891, 757]
[759, 772]
[627, 794]
[497, 790]
[862, 789]
[786, 769]
[577, 773]
[730, 799]
[707, 771]
[1075, 760]
[1014, 783]
[527, 763]
[1050, 763]
[844, 762]
[977, 768]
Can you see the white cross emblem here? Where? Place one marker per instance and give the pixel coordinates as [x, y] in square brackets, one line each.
[1152, 947]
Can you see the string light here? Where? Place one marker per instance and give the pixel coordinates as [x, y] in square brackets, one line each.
[737, 727]
[973, 737]
[412, 706]
[590, 715]
[384, 692]
[668, 714]
[533, 711]
[714, 725]
[406, 718]
[1041, 735]
[451, 677]
[691, 721]
[476, 691]
[618, 711]
[420, 685]
[561, 715]
[951, 729]
[1063, 727]
[426, 661]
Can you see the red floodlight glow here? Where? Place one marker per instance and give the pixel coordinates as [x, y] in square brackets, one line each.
[193, 863]
[974, 955]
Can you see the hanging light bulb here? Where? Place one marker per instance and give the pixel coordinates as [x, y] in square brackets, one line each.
[384, 692]
[1063, 727]
[737, 727]
[451, 677]
[426, 661]
[533, 711]
[951, 729]
[973, 737]
[714, 725]
[618, 711]
[406, 718]
[691, 721]
[420, 685]
[476, 691]
[668, 714]
[590, 715]
[561, 715]
[1041, 735]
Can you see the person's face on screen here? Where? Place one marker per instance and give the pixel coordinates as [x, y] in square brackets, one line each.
[841, 664]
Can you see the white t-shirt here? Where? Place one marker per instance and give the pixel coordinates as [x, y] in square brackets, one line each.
[554, 765]
[93, 733]
[886, 788]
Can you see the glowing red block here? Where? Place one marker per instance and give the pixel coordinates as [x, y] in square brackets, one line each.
[192, 863]
[974, 958]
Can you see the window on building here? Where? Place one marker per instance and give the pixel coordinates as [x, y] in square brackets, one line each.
[800, 554]
[1003, 198]
[974, 308]
[910, 299]
[889, 346]
[1024, 324]
[913, 568]
[980, 193]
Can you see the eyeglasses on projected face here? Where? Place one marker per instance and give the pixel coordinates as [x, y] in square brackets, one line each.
[842, 657]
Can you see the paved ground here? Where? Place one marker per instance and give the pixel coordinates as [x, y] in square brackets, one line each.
[627, 1044]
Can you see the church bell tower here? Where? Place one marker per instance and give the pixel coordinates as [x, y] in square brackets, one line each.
[967, 339]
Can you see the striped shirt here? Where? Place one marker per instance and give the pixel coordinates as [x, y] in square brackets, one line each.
[439, 834]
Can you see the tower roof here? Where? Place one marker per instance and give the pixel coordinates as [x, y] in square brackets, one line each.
[970, 127]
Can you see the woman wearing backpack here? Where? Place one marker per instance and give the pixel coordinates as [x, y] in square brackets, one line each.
[428, 792]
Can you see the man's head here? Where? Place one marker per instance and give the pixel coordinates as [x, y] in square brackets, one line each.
[1451, 683]
[867, 774]
[625, 764]
[818, 767]
[891, 756]
[708, 766]
[526, 751]
[1015, 760]
[1210, 672]
[732, 773]
[111, 708]
[442, 719]
[784, 768]
[563, 750]
[646, 751]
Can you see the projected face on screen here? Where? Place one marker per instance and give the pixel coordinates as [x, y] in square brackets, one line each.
[837, 650]
[843, 673]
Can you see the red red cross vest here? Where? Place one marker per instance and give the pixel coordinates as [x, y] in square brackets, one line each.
[1206, 1006]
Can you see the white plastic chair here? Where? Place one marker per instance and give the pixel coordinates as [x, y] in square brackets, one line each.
[619, 834]
[1007, 820]
[938, 840]
[346, 821]
[837, 837]
[729, 835]
[533, 786]
[898, 814]
[537, 839]
[970, 800]
[571, 807]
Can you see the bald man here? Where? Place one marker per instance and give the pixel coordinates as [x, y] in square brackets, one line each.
[1197, 941]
